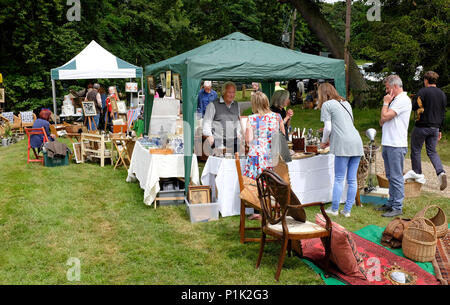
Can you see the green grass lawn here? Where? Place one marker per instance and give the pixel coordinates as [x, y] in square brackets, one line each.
[48, 215]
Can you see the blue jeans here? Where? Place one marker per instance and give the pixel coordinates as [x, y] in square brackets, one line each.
[342, 166]
[394, 158]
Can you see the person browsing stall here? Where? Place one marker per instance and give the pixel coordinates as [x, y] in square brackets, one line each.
[94, 96]
[345, 144]
[261, 127]
[205, 96]
[221, 123]
[394, 121]
[36, 141]
[280, 100]
[428, 128]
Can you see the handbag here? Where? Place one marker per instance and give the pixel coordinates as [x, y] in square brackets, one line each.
[280, 148]
[393, 234]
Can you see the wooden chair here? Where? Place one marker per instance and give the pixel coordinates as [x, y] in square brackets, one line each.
[15, 123]
[277, 223]
[250, 203]
[281, 169]
[35, 131]
[26, 123]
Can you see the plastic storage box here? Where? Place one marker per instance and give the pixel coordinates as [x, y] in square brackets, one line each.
[202, 212]
[55, 162]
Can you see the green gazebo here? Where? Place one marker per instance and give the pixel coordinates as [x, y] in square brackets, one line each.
[238, 57]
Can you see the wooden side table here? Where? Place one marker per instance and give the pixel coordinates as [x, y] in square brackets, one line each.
[124, 147]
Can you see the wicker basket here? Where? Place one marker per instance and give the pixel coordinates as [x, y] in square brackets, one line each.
[412, 188]
[419, 243]
[439, 220]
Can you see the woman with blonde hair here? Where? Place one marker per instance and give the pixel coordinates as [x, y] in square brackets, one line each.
[261, 126]
[345, 143]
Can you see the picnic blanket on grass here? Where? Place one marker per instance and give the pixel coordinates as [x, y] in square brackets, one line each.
[368, 242]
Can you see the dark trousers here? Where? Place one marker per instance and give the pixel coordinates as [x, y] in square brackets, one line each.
[429, 135]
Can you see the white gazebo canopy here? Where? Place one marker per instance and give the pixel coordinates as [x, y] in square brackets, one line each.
[94, 62]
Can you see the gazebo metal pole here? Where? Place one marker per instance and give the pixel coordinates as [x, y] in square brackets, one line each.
[54, 99]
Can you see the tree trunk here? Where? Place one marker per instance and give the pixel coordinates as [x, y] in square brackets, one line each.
[326, 34]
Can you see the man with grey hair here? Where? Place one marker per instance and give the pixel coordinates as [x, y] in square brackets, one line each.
[222, 122]
[394, 121]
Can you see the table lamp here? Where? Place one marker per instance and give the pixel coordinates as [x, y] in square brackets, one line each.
[370, 133]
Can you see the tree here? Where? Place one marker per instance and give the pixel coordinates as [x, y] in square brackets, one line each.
[316, 21]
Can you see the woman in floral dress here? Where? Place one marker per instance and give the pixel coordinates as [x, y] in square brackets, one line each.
[260, 128]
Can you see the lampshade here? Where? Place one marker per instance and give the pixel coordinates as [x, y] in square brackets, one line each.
[371, 133]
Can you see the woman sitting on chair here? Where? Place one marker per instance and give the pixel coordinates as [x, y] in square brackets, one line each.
[261, 126]
[36, 141]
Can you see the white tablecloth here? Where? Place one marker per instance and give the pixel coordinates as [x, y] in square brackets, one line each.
[222, 172]
[311, 180]
[148, 168]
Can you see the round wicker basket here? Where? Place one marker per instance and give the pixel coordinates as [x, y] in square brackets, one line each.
[418, 243]
[439, 220]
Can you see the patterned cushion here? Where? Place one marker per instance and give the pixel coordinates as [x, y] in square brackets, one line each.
[343, 250]
[9, 116]
[27, 116]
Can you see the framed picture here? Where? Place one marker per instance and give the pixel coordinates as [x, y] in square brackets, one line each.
[89, 109]
[151, 84]
[77, 152]
[162, 78]
[121, 107]
[2, 95]
[168, 83]
[199, 194]
[177, 86]
[131, 87]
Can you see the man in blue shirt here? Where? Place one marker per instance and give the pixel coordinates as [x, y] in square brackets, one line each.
[205, 96]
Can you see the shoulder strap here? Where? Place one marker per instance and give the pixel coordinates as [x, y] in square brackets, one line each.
[346, 110]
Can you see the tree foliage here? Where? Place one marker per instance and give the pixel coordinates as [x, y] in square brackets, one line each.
[36, 35]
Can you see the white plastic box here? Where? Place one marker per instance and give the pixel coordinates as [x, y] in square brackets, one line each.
[167, 122]
[202, 212]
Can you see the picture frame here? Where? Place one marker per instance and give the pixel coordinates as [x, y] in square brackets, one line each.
[121, 107]
[131, 87]
[168, 83]
[162, 78]
[89, 109]
[177, 86]
[199, 194]
[77, 152]
[151, 84]
[2, 95]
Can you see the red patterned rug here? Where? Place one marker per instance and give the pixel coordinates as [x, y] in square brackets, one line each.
[441, 262]
[376, 260]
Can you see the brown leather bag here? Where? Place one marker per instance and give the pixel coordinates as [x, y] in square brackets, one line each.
[393, 234]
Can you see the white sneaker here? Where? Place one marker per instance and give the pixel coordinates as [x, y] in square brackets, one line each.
[442, 181]
[346, 214]
[330, 211]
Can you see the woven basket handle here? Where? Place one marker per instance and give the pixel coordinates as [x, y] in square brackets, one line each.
[425, 209]
[417, 220]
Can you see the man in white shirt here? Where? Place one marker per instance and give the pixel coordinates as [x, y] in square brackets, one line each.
[394, 121]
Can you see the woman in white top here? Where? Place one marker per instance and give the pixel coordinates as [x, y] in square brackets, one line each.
[345, 143]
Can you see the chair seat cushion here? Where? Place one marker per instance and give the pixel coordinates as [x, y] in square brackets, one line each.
[343, 250]
[9, 116]
[297, 227]
[27, 116]
[250, 193]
